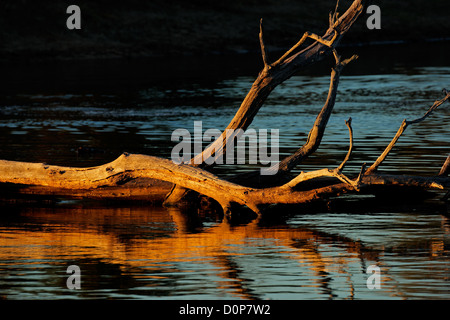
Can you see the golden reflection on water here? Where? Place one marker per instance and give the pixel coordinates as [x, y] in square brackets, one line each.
[142, 237]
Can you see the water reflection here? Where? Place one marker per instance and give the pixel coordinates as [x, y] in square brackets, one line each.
[139, 252]
[85, 114]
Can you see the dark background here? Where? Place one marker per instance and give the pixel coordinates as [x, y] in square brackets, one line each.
[31, 29]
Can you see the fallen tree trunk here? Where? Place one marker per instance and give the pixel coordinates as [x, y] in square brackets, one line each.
[111, 179]
[142, 177]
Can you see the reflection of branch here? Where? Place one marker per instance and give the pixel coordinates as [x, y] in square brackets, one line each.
[231, 271]
[170, 247]
[309, 251]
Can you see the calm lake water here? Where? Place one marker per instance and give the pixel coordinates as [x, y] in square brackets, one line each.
[141, 251]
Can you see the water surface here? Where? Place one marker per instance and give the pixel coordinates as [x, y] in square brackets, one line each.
[143, 251]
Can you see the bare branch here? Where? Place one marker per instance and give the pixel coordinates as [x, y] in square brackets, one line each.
[350, 148]
[286, 67]
[445, 170]
[402, 129]
[333, 17]
[361, 174]
[294, 47]
[306, 35]
[318, 129]
[306, 176]
[130, 168]
[262, 87]
[344, 63]
[263, 48]
[337, 173]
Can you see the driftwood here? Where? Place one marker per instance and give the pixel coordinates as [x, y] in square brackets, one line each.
[143, 177]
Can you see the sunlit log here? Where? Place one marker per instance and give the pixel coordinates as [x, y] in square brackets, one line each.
[144, 177]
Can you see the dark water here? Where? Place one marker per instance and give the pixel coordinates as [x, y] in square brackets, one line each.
[48, 111]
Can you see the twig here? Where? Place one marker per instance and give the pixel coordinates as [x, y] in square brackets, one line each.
[361, 174]
[337, 173]
[402, 128]
[333, 17]
[318, 129]
[306, 35]
[445, 170]
[350, 148]
[263, 48]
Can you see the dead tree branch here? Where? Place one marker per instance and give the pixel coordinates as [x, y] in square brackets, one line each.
[348, 123]
[402, 129]
[276, 73]
[116, 179]
[131, 166]
[316, 133]
[445, 170]
[263, 47]
[268, 79]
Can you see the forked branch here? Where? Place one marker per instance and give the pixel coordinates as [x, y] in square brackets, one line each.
[268, 79]
[336, 173]
[281, 70]
[119, 174]
[333, 16]
[317, 131]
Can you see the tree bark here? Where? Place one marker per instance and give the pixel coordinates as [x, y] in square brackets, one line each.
[129, 167]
